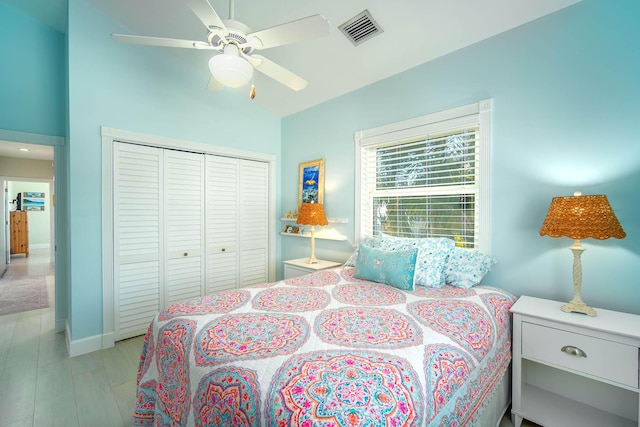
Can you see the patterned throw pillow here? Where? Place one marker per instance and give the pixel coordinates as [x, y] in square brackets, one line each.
[465, 267]
[432, 257]
[431, 260]
[395, 268]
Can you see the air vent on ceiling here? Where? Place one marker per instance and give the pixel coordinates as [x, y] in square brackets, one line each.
[360, 28]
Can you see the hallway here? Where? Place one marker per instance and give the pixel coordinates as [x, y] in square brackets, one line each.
[41, 386]
[24, 283]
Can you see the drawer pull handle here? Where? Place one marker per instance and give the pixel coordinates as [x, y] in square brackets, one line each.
[573, 351]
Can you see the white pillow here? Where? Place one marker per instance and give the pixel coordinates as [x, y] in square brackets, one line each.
[465, 268]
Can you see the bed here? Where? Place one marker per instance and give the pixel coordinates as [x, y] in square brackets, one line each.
[329, 349]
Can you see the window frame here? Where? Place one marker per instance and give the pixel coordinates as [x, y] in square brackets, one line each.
[478, 114]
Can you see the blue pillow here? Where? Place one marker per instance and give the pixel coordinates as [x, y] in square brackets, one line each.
[432, 256]
[395, 268]
[431, 259]
[466, 267]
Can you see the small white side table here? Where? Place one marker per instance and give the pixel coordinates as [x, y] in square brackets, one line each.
[300, 267]
[570, 369]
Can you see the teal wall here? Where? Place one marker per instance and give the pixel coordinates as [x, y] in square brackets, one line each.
[33, 109]
[32, 75]
[139, 89]
[566, 96]
[566, 93]
[130, 88]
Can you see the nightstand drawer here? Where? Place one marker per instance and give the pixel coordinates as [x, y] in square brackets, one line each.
[610, 360]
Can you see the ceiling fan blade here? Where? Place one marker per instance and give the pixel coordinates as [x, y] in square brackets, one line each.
[160, 41]
[206, 14]
[278, 73]
[214, 85]
[307, 28]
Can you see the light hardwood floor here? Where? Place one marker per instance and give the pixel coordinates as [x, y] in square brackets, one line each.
[41, 386]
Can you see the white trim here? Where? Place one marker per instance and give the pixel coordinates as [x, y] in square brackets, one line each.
[182, 145]
[478, 112]
[108, 340]
[486, 109]
[272, 221]
[413, 126]
[82, 346]
[108, 321]
[67, 334]
[109, 137]
[40, 246]
[358, 188]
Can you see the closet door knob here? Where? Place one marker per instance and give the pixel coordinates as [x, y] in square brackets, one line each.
[185, 254]
[573, 351]
[223, 249]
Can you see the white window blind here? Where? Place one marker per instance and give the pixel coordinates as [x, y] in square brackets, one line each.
[427, 177]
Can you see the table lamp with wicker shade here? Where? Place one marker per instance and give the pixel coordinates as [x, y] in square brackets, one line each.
[312, 214]
[579, 217]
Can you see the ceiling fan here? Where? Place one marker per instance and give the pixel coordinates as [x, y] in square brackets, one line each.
[235, 61]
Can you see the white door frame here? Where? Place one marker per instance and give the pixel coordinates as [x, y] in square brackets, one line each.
[5, 233]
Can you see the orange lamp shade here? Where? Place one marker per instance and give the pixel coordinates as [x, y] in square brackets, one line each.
[312, 214]
[579, 217]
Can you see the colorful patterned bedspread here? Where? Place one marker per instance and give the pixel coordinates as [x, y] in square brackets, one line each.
[325, 349]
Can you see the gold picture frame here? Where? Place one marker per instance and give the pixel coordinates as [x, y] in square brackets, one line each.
[311, 182]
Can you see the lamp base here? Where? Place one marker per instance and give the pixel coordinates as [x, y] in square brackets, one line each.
[578, 307]
[312, 258]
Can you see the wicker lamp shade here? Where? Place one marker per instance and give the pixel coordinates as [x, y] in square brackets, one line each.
[580, 217]
[312, 214]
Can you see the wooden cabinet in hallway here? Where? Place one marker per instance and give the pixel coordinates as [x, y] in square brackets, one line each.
[19, 230]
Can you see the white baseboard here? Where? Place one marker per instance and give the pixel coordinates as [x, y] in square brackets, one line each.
[67, 334]
[108, 340]
[39, 246]
[84, 345]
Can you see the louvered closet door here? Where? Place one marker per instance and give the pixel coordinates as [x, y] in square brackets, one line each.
[254, 213]
[137, 238]
[184, 225]
[222, 223]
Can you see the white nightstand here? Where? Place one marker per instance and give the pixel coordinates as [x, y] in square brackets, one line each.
[300, 267]
[574, 370]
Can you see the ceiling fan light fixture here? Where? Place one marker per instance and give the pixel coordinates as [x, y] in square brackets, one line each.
[229, 68]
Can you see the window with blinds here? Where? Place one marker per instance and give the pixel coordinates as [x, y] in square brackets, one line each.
[427, 177]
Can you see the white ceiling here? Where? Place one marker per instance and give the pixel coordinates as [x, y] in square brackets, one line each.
[415, 32]
[37, 152]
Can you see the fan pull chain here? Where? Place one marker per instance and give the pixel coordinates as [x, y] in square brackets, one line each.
[252, 93]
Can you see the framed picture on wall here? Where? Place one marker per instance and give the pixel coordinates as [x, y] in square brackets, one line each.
[311, 182]
[32, 201]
